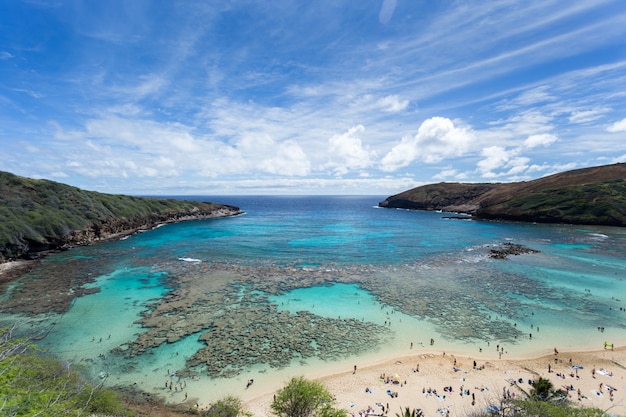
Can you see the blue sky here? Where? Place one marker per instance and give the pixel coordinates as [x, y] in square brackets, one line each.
[308, 97]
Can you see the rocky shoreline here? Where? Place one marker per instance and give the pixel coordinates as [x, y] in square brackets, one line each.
[111, 229]
[114, 228]
[117, 228]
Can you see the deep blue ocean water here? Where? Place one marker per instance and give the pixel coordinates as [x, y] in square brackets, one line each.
[417, 275]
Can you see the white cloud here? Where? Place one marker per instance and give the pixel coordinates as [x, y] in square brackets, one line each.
[517, 165]
[393, 103]
[619, 126]
[534, 96]
[526, 123]
[495, 157]
[499, 161]
[289, 159]
[118, 147]
[437, 138]
[446, 174]
[619, 159]
[386, 11]
[148, 85]
[585, 116]
[544, 139]
[346, 152]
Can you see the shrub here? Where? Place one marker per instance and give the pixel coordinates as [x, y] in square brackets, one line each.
[303, 398]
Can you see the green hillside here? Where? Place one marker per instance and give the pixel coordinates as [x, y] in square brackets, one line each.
[598, 203]
[594, 196]
[40, 215]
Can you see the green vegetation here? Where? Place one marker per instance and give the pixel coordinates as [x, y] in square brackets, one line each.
[532, 408]
[542, 401]
[408, 412]
[594, 196]
[303, 398]
[31, 384]
[40, 215]
[543, 390]
[227, 407]
[595, 203]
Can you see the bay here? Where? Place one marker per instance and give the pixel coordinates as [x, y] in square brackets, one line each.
[309, 285]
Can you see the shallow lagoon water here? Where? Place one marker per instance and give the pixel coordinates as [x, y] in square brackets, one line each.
[391, 280]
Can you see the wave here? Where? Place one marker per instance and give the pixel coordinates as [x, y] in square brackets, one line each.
[598, 235]
[190, 260]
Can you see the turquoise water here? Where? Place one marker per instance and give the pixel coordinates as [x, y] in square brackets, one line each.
[314, 284]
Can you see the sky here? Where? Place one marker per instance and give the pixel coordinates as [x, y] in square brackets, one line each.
[369, 97]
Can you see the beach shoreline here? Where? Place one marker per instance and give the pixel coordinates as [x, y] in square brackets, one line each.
[475, 383]
[10, 270]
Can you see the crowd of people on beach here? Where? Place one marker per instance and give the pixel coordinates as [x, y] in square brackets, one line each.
[481, 395]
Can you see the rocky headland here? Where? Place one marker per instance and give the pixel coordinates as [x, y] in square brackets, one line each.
[39, 216]
[593, 196]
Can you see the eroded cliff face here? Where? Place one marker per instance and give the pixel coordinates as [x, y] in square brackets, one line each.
[114, 228]
[117, 227]
[443, 196]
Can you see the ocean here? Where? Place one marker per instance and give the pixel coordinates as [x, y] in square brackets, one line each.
[316, 285]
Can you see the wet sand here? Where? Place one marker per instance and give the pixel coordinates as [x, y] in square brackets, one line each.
[365, 391]
[14, 269]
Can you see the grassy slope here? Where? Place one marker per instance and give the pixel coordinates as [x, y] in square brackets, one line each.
[595, 203]
[41, 214]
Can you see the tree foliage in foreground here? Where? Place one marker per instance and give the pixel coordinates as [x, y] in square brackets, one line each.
[541, 401]
[229, 406]
[536, 408]
[32, 385]
[409, 412]
[304, 398]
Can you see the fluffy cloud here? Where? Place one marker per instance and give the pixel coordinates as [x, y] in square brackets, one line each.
[494, 157]
[346, 151]
[114, 146]
[510, 162]
[619, 126]
[437, 138]
[539, 140]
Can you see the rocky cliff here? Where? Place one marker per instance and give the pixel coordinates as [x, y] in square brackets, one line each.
[594, 195]
[40, 215]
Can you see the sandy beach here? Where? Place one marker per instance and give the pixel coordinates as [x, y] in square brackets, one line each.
[445, 384]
